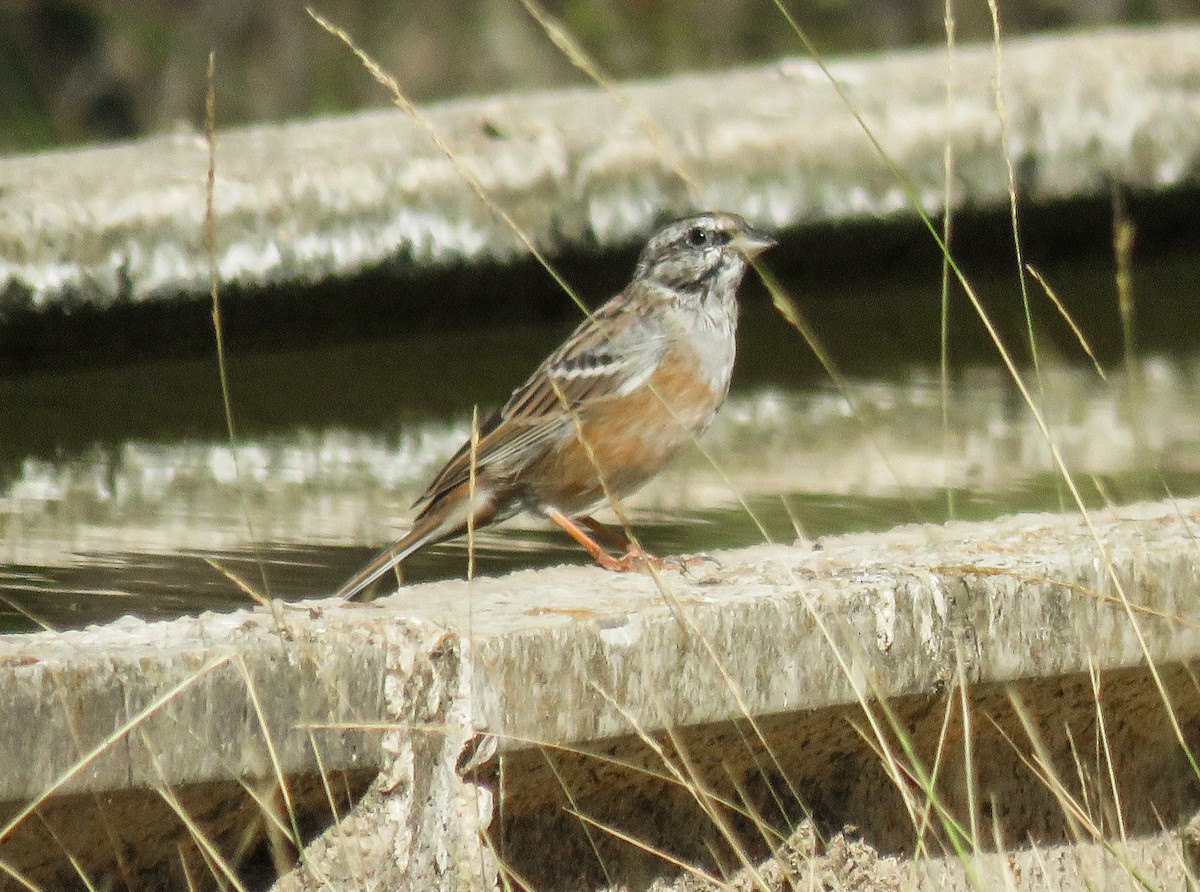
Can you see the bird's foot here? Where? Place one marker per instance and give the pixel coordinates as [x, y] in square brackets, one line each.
[637, 558]
[634, 559]
[701, 561]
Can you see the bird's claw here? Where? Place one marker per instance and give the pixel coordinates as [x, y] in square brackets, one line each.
[639, 559]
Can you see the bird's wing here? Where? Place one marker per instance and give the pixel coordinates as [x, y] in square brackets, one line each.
[611, 353]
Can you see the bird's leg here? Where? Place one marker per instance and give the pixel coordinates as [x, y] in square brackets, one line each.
[594, 548]
[631, 551]
[634, 553]
[614, 537]
[619, 539]
[634, 558]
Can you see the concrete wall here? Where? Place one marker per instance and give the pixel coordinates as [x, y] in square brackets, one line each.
[494, 703]
[585, 168]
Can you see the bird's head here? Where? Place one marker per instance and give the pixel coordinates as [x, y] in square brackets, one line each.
[696, 254]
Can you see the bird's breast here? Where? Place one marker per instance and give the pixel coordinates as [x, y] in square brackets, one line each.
[621, 441]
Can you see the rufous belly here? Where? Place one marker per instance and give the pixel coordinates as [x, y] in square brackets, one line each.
[621, 442]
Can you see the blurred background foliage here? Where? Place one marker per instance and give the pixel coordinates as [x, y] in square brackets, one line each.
[73, 71]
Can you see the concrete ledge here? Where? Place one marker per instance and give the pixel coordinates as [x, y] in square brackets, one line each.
[574, 657]
[303, 202]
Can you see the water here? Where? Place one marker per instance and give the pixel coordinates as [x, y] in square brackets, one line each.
[120, 491]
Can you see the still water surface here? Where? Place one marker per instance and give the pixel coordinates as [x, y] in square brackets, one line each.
[120, 492]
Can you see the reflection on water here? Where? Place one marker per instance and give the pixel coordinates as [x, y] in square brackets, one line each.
[171, 519]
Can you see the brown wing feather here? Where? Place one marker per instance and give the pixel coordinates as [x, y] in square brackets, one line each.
[611, 352]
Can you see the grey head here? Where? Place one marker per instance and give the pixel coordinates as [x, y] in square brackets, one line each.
[702, 255]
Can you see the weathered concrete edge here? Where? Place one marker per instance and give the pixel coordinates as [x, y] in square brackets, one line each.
[573, 654]
[888, 614]
[306, 201]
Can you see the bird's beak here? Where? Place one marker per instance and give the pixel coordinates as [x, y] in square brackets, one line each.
[751, 242]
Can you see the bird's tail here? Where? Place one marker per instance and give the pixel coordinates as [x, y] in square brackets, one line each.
[386, 560]
[441, 520]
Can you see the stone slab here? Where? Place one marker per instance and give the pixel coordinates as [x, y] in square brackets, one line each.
[596, 168]
[576, 658]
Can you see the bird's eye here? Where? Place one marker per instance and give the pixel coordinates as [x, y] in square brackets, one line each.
[697, 237]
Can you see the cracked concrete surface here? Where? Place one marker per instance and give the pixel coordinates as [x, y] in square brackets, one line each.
[497, 703]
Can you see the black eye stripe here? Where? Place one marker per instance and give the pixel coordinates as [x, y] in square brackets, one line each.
[700, 237]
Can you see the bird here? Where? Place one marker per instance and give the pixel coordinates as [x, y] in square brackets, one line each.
[641, 376]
